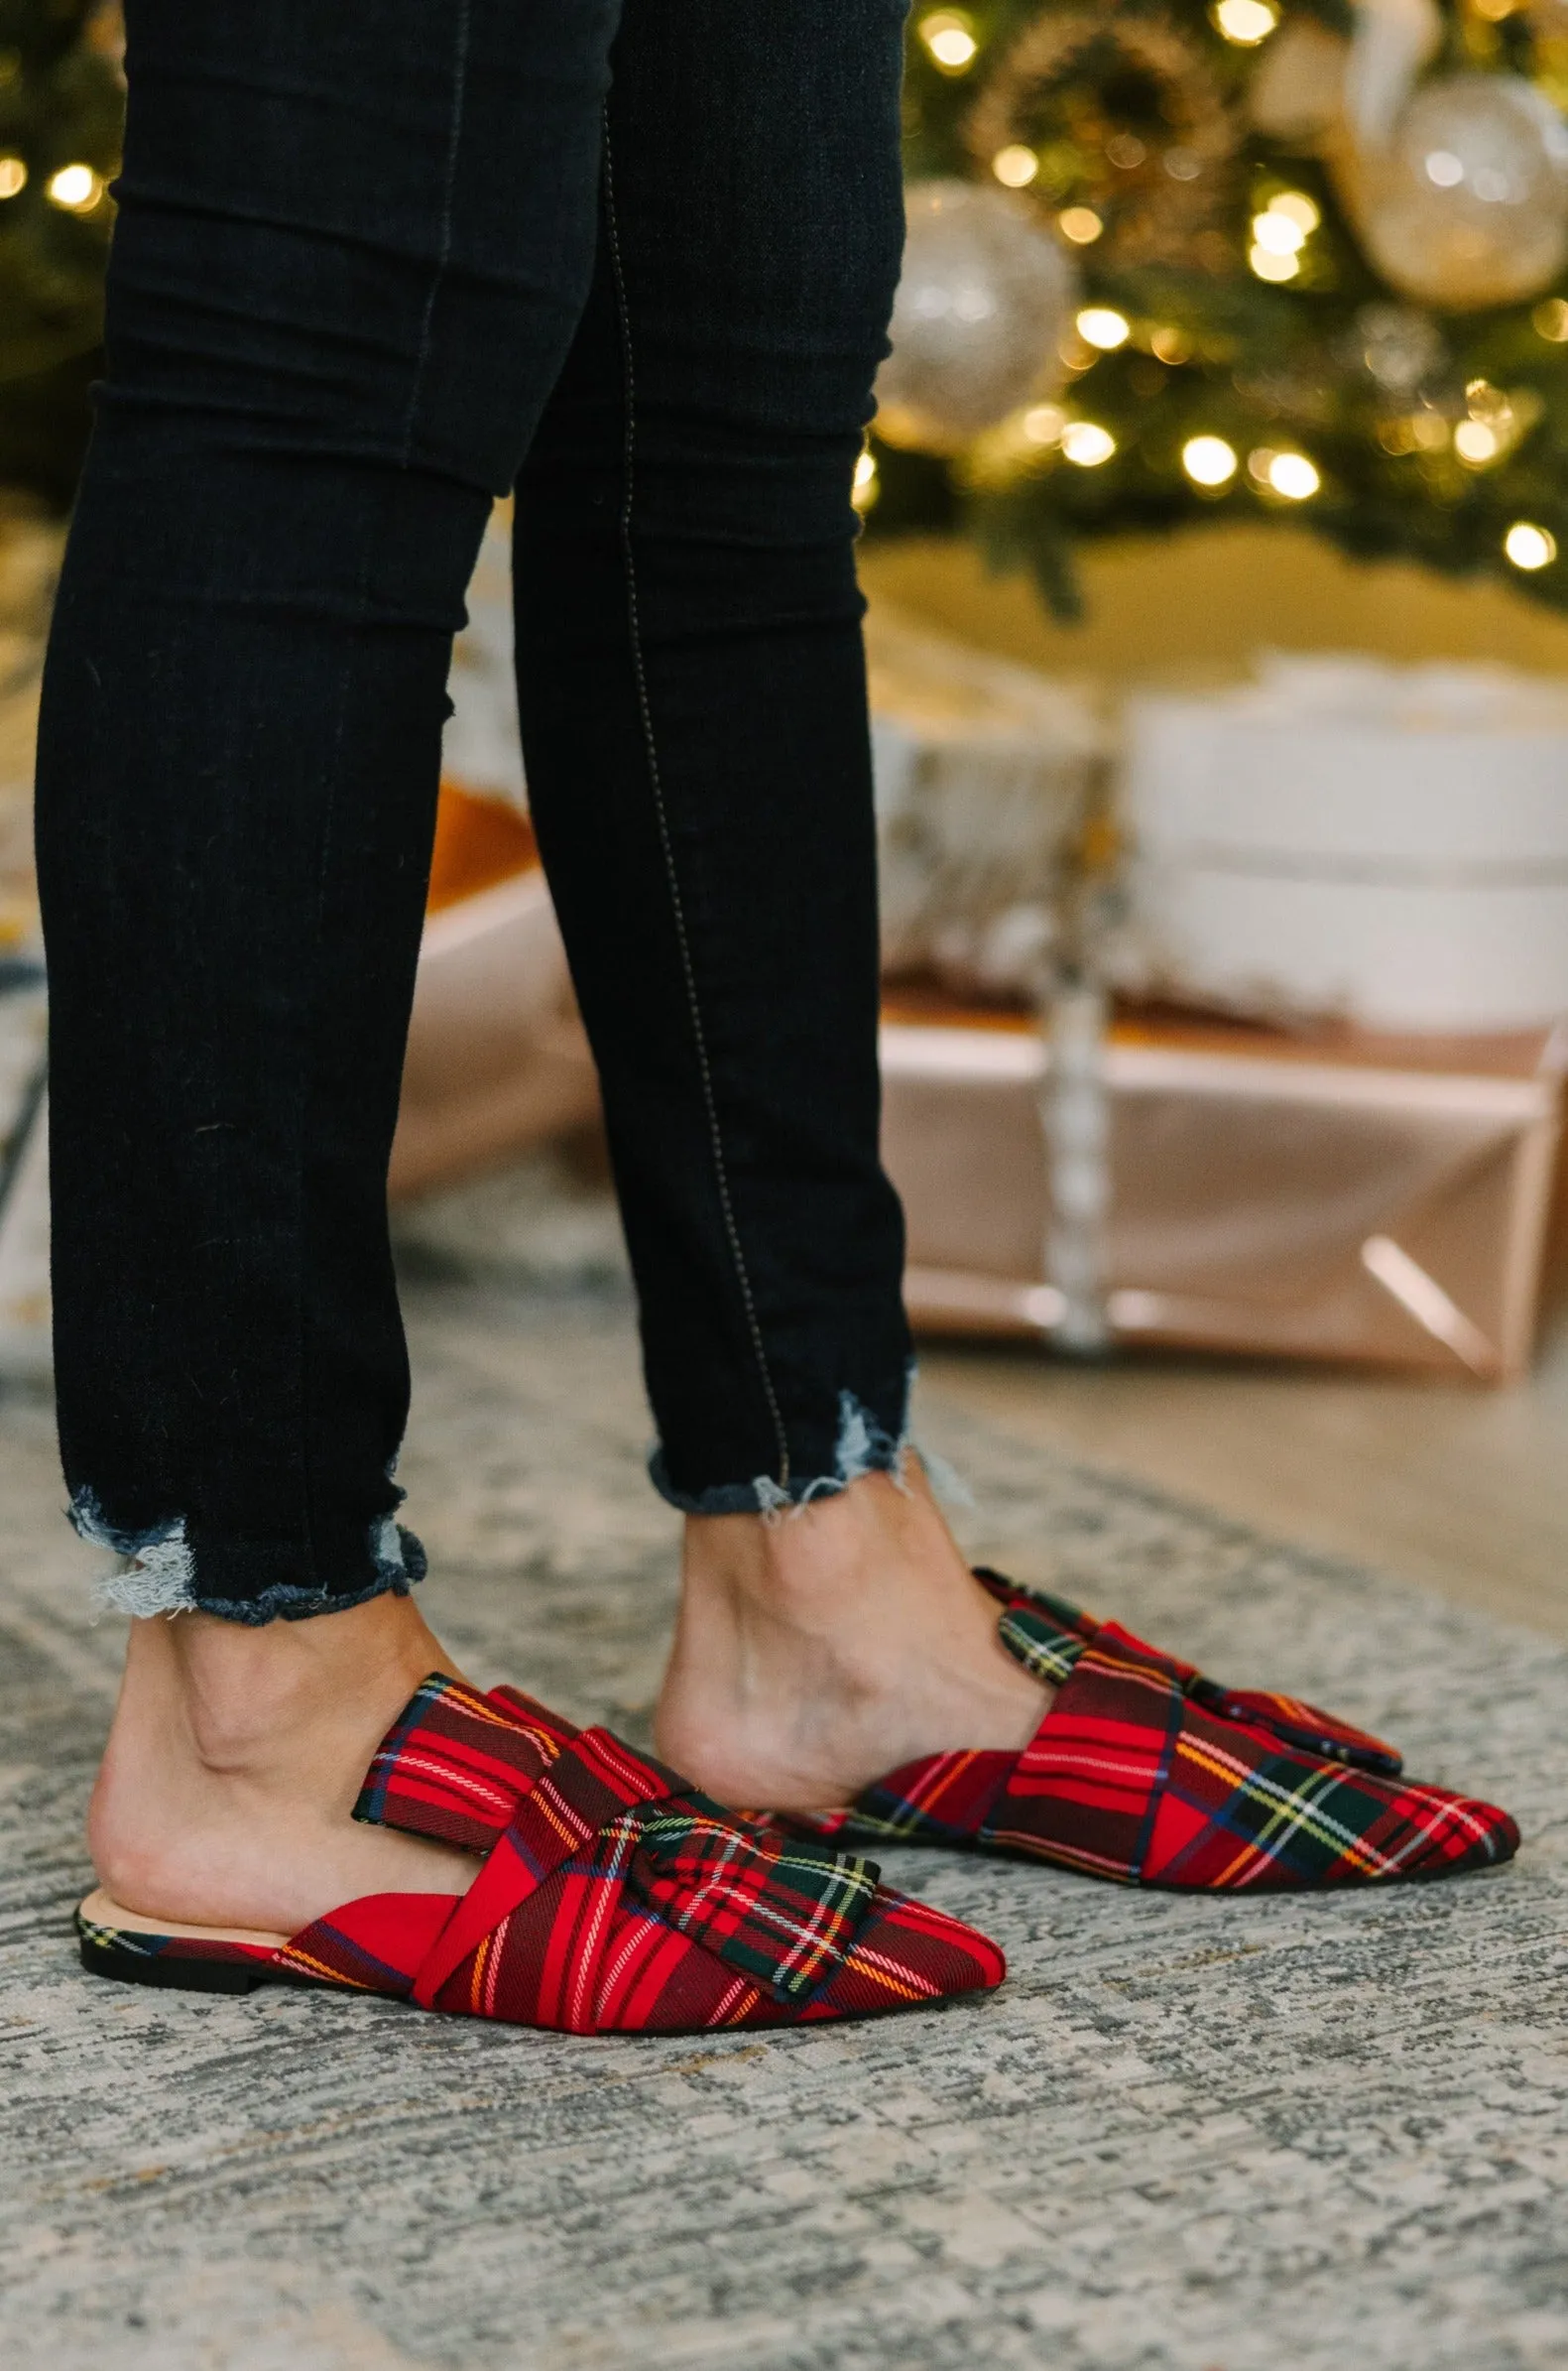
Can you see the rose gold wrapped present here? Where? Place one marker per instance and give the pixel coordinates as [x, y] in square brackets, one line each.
[1340, 1198]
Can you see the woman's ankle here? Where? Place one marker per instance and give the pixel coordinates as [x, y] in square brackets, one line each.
[816, 1651]
[245, 1698]
[819, 1565]
[236, 1755]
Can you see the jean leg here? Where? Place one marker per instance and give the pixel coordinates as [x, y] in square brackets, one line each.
[352, 249]
[692, 688]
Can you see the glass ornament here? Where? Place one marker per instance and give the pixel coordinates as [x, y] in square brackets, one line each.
[1399, 348]
[1468, 207]
[986, 298]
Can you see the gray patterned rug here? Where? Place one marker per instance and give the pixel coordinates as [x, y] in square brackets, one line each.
[1187, 2136]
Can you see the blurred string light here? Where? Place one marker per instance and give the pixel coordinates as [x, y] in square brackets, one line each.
[1245, 22]
[1428, 431]
[1016, 167]
[1530, 547]
[1085, 444]
[867, 487]
[1081, 224]
[1288, 474]
[77, 188]
[1170, 345]
[1209, 461]
[1043, 423]
[1101, 325]
[1280, 232]
[1293, 475]
[1418, 431]
[1477, 441]
[1550, 321]
[949, 38]
[13, 177]
[1494, 423]
[1296, 208]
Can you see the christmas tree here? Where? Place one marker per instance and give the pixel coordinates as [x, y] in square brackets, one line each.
[60, 104]
[1290, 262]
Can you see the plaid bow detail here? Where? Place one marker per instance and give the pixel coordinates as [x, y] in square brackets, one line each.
[1034, 1618]
[454, 1765]
[1045, 1650]
[500, 1774]
[1297, 1723]
[785, 1913]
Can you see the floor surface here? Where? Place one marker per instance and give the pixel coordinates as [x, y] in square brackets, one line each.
[1462, 1488]
[1188, 2135]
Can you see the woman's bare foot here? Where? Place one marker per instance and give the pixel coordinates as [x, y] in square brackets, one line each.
[816, 1651]
[236, 1754]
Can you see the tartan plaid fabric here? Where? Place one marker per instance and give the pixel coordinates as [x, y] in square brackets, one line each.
[611, 1898]
[457, 1764]
[1294, 1722]
[1144, 1772]
[779, 1911]
[108, 1942]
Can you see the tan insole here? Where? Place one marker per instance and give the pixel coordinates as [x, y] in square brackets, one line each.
[101, 1910]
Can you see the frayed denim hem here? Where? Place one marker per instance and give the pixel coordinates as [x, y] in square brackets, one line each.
[158, 1575]
[864, 1446]
[284, 1603]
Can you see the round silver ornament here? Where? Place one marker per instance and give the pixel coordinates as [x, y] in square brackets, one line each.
[1468, 205]
[986, 296]
[1399, 350]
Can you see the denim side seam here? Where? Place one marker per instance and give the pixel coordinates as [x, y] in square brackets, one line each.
[461, 47]
[781, 1485]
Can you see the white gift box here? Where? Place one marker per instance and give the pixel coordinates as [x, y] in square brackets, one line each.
[1384, 845]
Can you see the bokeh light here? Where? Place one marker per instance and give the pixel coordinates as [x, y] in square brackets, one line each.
[1086, 443]
[1101, 325]
[1245, 22]
[1208, 460]
[950, 39]
[1293, 475]
[1530, 547]
[1016, 167]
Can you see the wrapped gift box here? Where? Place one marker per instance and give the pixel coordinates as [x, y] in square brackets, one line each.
[1384, 844]
[497, 1059]
[985, 773]
[1342, 1197]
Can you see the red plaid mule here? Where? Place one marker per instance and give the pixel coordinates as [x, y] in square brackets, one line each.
[1145, 1772]
[612, 1898]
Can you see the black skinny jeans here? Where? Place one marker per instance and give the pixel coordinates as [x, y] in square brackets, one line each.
[373, 267]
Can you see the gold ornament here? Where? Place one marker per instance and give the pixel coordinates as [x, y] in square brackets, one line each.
[1157, 195]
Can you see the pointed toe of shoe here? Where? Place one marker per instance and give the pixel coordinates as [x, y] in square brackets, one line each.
[1460, 1834]
[908, 1954]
